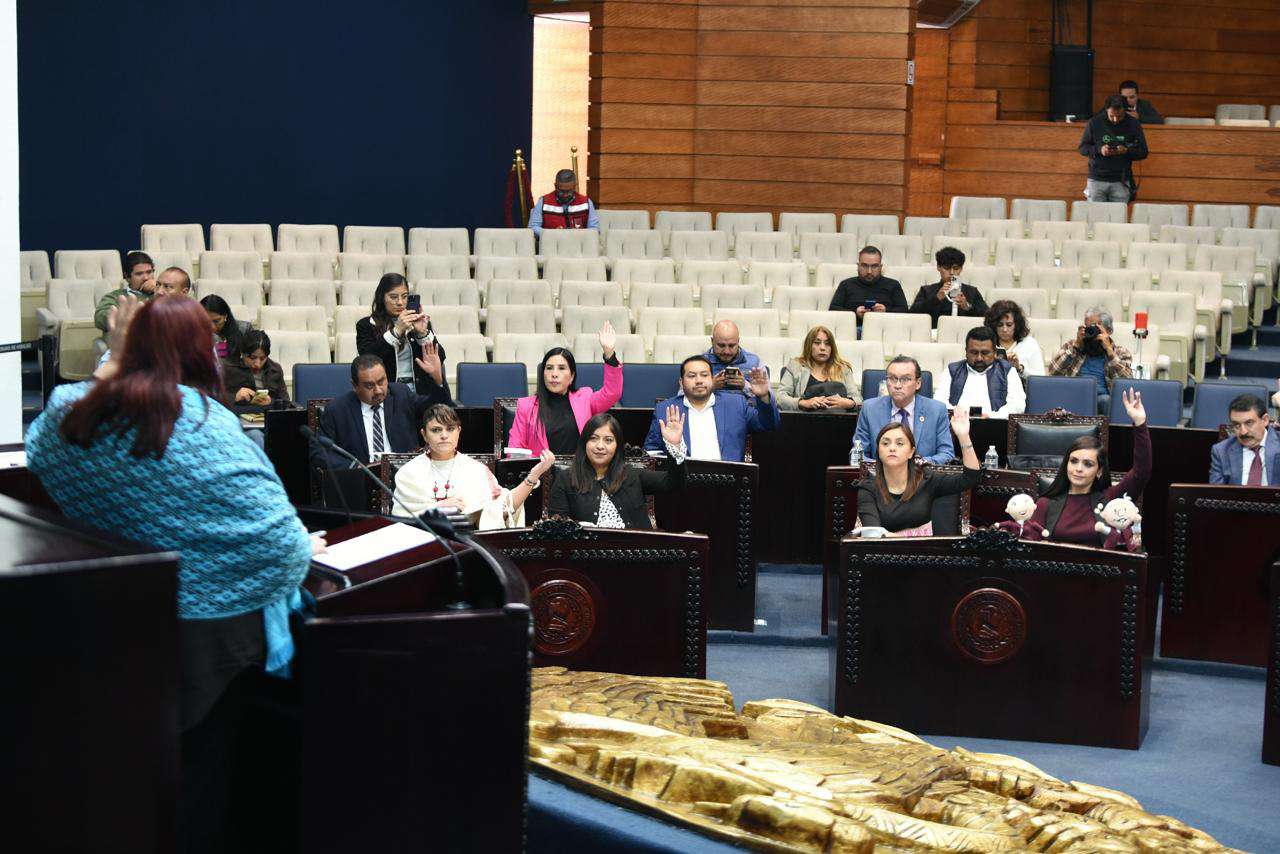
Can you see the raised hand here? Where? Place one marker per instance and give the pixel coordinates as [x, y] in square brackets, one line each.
[1132, 399]
[608, 339]
[118, 320]
[759, 380]
[429, 361]
[673, 426]
[546, 460]
[960, 422]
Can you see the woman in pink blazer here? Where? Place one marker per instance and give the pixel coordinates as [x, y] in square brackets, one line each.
[553, 417]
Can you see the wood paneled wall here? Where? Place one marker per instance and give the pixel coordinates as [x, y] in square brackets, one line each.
[742, 105]
[1004, 45]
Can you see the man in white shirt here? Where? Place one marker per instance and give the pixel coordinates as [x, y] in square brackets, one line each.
[716, 422]
[981, 379]
[1250, 457]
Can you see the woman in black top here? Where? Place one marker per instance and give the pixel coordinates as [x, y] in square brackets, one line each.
[900, 496]
[402, 338]
[253, 381]
[599, 487]
[227, 331]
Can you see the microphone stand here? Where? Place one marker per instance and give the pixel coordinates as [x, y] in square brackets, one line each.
[1141, 336]
[432, 522]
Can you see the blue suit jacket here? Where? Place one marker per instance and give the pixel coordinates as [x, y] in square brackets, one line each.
[932, 428]
[736, 415]
[1226, 460]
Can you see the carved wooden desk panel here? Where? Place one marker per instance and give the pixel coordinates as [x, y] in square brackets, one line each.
[990, 638]
[1271, 715]
[1222, 542]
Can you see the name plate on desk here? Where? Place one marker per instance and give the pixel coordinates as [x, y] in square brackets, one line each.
[373, 546]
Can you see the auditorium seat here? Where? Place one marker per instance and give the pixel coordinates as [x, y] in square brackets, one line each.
[517, 292]
[843, 324]
[1156, 257]
[995, 230]
[817, 248]
[293, 318]
[1123, 233]
[163, 259]
[1145, 352]
[439, 241]
[646, 295]
[953, 329]
[1028, 211]
[345, 318]
[698, 246]
[319, 292]
[830, 275]
[1050, 280]
[373, 240]
[232, 266]
[666, 222]
[772, 275]
[68, 313]
[629, 348]
[763, 246]
[986, 278]
[751, 322]
[1051, 333]
[1024, 252]
[87, 264]
[1074, 394]
[1240, 277]
[625, 219]
[627, 243]
[480, 382]
[862, 226]
[453, 320]
[588, 319]
[1182, 336]
[926, 228]
[1220, 216]
[300, 265]
[1266, 246]
[932, 356]
[912, 279]
[1189, 235]
[862, 356]
[358, 293]
[964, 208]
[569, 243]
[1095, 212]
[977, 250]
[1158, 215]
[1209, 406]
[461, 348]
[323, 380]
[293, 347]
[721, 296]
[897, 250]
[242, 237]
[1181, 120]
[1074, 302]
[1034, 302]
[437, 267]
[1267, 216]
[774, 352]
[1162, 399]
[1122, 281]
[788, 298]
[1273, 112]
[670, 321]
[353, 267]
[494, 267]
[873, 380]
[1215, 311]
[503, 243]
[1239, 111]
[576, 292]
[734, 224]
[890, 328]
[188, 238]
[527, 348]
[508, 318]
[695, 274]
[1087, 254]
[233, 291]
[646, 384]
[557, 270]
[1058, 232]
[797, 224]
[292, 237]
[669, 348]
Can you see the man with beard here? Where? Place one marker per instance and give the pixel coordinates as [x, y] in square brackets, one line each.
[868, 291]
[1112, 140]
[564, 207]
[716, 423]
[1094, 354]
[980, 379]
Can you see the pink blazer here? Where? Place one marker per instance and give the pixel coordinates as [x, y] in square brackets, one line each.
[528, 432]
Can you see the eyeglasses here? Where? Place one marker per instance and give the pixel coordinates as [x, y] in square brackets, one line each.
[862, 266]
[398, 297]
[892, 380]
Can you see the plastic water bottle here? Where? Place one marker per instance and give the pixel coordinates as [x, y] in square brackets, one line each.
[855, 456]
[992, 459]
[884, 388]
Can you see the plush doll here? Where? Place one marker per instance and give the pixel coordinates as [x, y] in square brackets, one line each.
[1020, 509]
[1120, 521]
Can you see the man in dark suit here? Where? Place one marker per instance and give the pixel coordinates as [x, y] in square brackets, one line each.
[949, 294]
[716, 423]
[1252, 456]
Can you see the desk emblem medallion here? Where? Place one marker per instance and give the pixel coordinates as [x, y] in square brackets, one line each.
[564, 616]
[989, 625]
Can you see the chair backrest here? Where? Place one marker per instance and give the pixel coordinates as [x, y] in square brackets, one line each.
[1052, 333]
[829, 274]
[345, 318]
[1024, 252]
[439, 241]
[1087, 254]
[556, 269]
[436, 267]
[1092, 212]
[298, 266]
[441, 292]
[353, 267]
[862, 225]
[527, 348]
[77, 299]
[242, 237]
[1123, 233]
[87, 264]
[734, 224]
[1188, 235]
[897, 250]
[772, 275]
[1050, 280]
[629, 271]
[797, 224]
[1265, 241]
[455, 319]
[665, 222]
[1162, 400]
[1235, 263]
[647, 383]
[1158, 216]
[1122, 281]
[233, 291]
[1157, 257]
[357, 293]
[977, 207]
[290, 347]
[524, 319]
[244, 266]
[504, 243]
[315, 292]
[1057, 232]
[1146, 352]
[579, 319]
[503, 267]
[717, 296]
[889, 328]
[1051, 432]
[633, 243]
[1181, 120]
[789, 298]
[676, 348]
[933, 356]
[577, 292]
[1028, 211]
[292, 237]
[1074, 302]
[671, 321]
[630, 349]
[699, 246]
[843, 324]
[986, 278]
[569, 243]
[1245, 123]
[752, 322]
[699, 273]
[1204, 285]
[645, 295]
[479, 383]
[1175, 312]
[518, 292]
[912, 279]
[301, 318]
[817, 248]
[321, 380]
[977, 250]
[615, 218]
[1034, 302]
[188, 238]
[463, 347]
[873, 377]
[953, 329]
[1267, 216]
[1240, 111]
[1220, 216]
[373, 239]
[774, 352]
[763, 246]
[345, 350]
[862, 356]
[35, 271]
[1209, 406]
[995, 230]
[926, 227]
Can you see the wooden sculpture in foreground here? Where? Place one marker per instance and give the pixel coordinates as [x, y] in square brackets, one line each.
[787, 776]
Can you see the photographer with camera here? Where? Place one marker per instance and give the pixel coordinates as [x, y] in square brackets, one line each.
[949, 295]
[1094, 354]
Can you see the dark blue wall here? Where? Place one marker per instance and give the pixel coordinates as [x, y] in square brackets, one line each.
[364, 112]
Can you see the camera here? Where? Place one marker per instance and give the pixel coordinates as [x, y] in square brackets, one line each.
[1092, 331]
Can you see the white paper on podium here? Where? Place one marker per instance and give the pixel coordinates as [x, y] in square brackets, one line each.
[12, 459]
[375, 545]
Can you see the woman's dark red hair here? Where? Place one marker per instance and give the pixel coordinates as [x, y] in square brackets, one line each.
[170, 343]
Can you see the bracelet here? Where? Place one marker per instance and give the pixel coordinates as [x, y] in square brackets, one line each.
[533, 483]
[966, 447]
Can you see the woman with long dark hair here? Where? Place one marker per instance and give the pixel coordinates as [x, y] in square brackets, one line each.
[403, 339]
[599, 488]
[146, 452]
[1013, 335]
[1066, 510]
[555, 415]
[228, 333]
[899, 498]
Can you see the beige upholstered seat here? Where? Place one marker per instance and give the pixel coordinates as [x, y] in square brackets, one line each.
[455, 320]
[995, 230]
[625, 219]
[238, 266]
[1095, 212]
[185, 261]
[986, 278]
[1073, 302]
[674, 349]
[439, 241]
[772, 275]
[518, 292]
[752, 322]
[952, 329]
[345, 318]
[934, 357]
[695, 274]
[491, 267]
[1245, 123]
[321, 292]
[797, 224]
[965, 208]
[1239, 111]
[829, 275]
[670, 321]
[1052, 333]
[1028, 211]
[633, 271]
[368, 268]
[233, 291]
[242, 237]
[73, 300]
[789, 298]
[897, 250]
[295, 347]
[1087, 254]
[763, 246]
[623, 243]
[1157, 257]
[528, 348]
[1123, 282]
[1220, 216]
[1157, 215]
[774, 352]
[1024, 252]
[1266, 245]
[1146, 353]
[818, 248]
[533, 319]
[862, 226]
[1034, 302]
[293, 318]
[292, 237]
[462, 348]
[436, 267]
[578, 292]
[299, 266]
[1189, 235]
[361, 293]
[1058, 232]
[504, 243]
[1123, 233]
[87, 264]
[188, 238]
[345, 350]
[1183, 120]
[1267, 216]
[666, 222]
[645, 295]
[1051, 280]
[912, 279]
[1213, 308]
[438, 292]
[557, 269]
[861, 356]
[977, 250]
[1182, 336]
[734, 224]
[843, 324]
[569, 243]
[373, 240]
[926, 228]
[33, 269]
[1242, 282]
[587, 319]
[698, 246]
[629, 348]
[717, 296]
[890, 328]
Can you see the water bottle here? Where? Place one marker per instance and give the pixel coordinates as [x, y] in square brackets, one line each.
[855, 456]
[884, 388]
[992, 459]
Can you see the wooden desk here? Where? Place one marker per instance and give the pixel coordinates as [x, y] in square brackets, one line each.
[1271, 712]
[991, 638]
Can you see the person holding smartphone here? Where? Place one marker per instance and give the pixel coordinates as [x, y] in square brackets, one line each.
[981, 383]
[869, 290]
[730, 364]
[949, 295]
[399, 333]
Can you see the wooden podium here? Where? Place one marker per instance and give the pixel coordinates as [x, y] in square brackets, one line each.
[1222, 542]
[993, 638]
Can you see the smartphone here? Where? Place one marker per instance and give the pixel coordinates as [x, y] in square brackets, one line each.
[868, 304]
[732, 372]
[1002, 353]
[415, 303]
[975, 411]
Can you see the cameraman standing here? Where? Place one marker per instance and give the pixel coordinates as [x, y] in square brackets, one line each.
[1094, 354]
[1112, 141]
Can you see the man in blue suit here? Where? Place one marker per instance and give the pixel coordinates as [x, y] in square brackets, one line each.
[716, 423]
[1252, 456]
[927, 418]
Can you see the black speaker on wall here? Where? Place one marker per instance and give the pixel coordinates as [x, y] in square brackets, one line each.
[1070, 82]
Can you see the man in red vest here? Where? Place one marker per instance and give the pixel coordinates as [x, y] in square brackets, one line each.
[564, 208]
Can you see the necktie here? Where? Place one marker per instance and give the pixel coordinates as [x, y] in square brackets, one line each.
[904, 418]
[379, 442]
[1255, 470]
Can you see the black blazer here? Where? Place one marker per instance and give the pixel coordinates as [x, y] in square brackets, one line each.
[369, 341]
[343, 422]
[629, 499]
[236, 376]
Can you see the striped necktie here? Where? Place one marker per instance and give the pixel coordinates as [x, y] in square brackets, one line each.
[379, 441]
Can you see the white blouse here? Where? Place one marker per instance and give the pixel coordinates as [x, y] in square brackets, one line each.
[608, 515]
[1029, 355]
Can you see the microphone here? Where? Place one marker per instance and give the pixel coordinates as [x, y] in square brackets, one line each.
[310, 434]
[432, 521]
